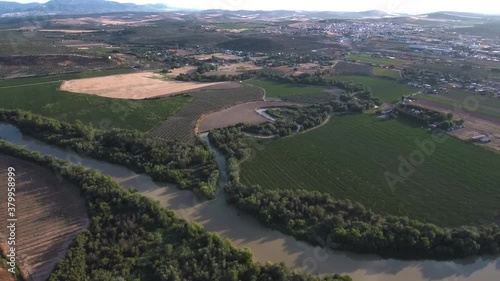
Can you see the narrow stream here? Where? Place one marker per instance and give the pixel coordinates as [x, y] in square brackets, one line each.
[268, 245]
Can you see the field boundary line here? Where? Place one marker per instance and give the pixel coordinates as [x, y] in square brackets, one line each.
[263, 90]
[33, 84]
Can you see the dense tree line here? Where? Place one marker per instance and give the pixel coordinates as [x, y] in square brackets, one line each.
[425, 116]
[132, 238]
[340, 224]
[207, 77]
[290, 120]
[190, 166]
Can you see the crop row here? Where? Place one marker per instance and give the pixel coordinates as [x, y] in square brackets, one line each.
[181, 126]
[51, 213]
[46, 65]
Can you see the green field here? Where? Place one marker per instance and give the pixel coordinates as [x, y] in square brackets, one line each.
[456, 98]
[381, 61]
[349, 157]
[387, 90]
[278, 89]
[41, 96]
[389, 73]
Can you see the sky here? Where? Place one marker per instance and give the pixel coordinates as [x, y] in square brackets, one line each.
[391, 6]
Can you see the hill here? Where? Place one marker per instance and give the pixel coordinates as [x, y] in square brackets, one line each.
[77, 7]
[13, 7]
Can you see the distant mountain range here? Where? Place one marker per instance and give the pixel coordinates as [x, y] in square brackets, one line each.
[77, 7]
[13, 7]
[105, 6]
[308, 14]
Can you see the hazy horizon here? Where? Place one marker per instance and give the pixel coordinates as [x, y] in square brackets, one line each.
[390, 6]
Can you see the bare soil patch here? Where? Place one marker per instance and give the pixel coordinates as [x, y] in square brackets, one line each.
[184, 124]
[219, 55]
[82, 44]
[182, 70]
[109, 20]
[235, 68]
[300, 69]
[243, 113]
[182, 52]
[475, 123]
[132, 86]
[6, 275]
[50, 214]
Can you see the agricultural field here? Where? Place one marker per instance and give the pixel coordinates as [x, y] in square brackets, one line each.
[278, 89]
[51, 213]
[350, 156]
[488, 106]
[5, 275]
[327, 96]
[379, 61]
[136, 86]
[42, 96]
[23, 66]
[348, 68]
[234, 68]
[242, 113]
[384, 72]
[481, 114]
[238, 25]
[387, 90]
[182, 125]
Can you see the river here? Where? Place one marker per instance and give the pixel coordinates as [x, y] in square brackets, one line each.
[268, 245]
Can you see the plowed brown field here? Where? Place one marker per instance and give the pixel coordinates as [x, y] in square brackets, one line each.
[50, 213]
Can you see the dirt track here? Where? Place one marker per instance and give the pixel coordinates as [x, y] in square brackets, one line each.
[50, 214]
[132, 86]
[475, 123]
[243, 113]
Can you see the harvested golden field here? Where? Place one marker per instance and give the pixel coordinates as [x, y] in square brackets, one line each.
[135, 86]
[50, 213]
[243, 113]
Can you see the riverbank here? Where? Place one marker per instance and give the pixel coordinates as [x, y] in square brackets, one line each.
[268, 245]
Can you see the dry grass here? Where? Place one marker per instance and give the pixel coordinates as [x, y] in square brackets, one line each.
[50, 215]
[132, 86]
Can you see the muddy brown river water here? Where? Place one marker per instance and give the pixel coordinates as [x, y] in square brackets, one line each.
[268, 245]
